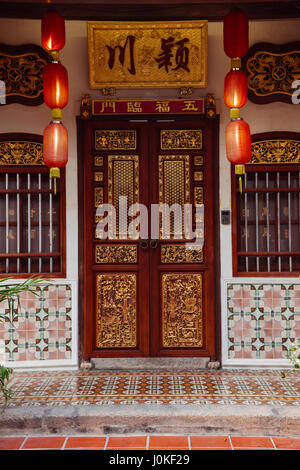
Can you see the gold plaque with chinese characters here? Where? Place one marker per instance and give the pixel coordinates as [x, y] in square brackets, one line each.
[147, 54]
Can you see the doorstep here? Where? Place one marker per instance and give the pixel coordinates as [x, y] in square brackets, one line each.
[150, 363]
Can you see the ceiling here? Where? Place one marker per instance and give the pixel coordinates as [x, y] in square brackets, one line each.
[149, 10]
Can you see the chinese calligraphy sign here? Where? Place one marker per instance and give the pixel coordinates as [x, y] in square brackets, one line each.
[139, 107]
[161, 54]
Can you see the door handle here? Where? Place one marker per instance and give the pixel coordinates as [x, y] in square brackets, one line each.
[154, 243]
[143, 244]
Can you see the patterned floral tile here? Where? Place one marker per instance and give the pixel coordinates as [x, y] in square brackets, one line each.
[42, 328]
[263, 320]
[223, 387]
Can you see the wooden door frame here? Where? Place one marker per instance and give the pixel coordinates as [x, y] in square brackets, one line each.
[82, 125]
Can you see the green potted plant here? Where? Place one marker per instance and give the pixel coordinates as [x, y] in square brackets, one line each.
[294, 354]
[11, 293]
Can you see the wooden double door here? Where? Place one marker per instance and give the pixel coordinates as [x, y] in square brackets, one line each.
[145, 291]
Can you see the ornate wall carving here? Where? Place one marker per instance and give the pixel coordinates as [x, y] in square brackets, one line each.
[271, 70]
[21, 70]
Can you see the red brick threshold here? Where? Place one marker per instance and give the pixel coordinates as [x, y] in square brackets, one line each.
[190, 442]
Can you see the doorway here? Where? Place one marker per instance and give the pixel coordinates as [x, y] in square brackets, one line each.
[148, 289]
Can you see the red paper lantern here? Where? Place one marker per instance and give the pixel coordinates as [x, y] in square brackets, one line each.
[238, 142]
[55, 83]
[236, 34]
[55, 145]
[235, 89]
[53, 31]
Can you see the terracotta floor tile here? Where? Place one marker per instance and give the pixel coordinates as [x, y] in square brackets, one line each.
[128, 441]
[211, 448]
[287, 442]
[10, 443]
[253, 448]
[210, 441]
[85, 442]
[168, 442]
[240, 442]
[126, 448]
[52, 442]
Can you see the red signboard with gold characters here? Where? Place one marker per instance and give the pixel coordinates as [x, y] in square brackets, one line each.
[138, 107]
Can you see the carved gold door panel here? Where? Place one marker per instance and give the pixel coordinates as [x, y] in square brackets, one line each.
[148, 238]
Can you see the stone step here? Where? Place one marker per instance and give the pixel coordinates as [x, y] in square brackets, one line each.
[154, 419]
[151, 363]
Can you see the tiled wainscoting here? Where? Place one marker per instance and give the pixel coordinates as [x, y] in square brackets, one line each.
[43, 331]
[262, 320]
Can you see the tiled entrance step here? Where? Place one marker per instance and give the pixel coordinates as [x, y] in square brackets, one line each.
[189, 442]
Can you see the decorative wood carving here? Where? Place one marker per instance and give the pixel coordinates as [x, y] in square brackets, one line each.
[271, 70]
[277, 151]
[115, 140]
[198, 194]
[21, 70]
[19, 152]
[116, 254]
[198, 160]
[85, 106]
[116, 317]
[180, 254]
[98, 196]
[181, 139]
[182, 310]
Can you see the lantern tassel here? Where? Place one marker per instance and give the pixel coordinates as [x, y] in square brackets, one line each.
[54, 173]
[240, 171]
[241, 185]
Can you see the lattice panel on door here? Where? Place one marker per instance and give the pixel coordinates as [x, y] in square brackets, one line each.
[123, 181]
[174, 189]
